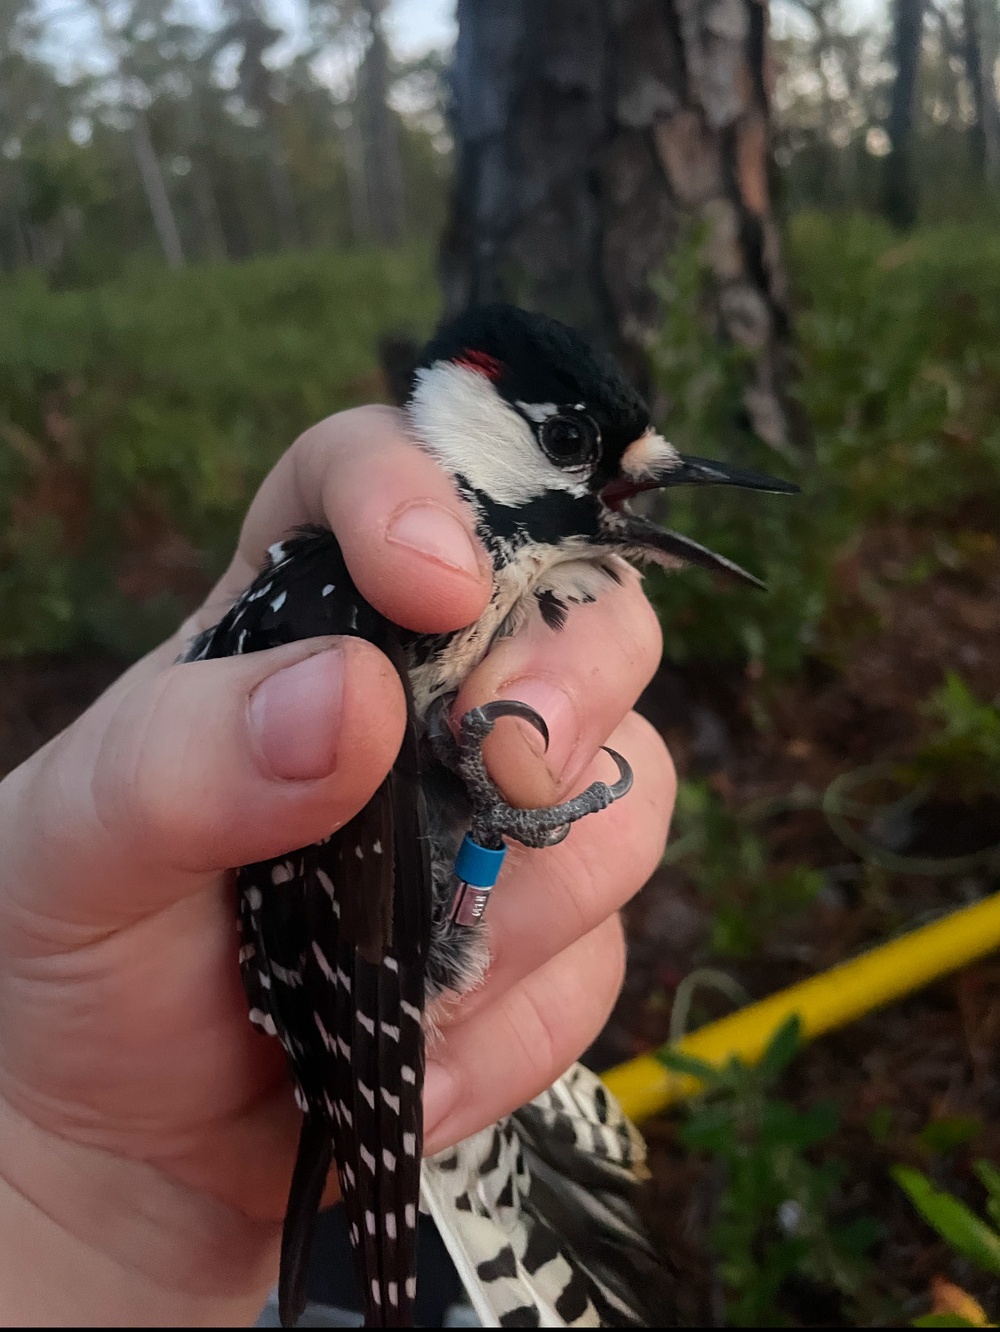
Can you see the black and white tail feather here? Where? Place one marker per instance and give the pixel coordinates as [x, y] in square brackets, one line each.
[540, 1214]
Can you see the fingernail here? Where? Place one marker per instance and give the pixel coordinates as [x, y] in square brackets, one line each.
[294, 717]
[436, 534]
[559, 712]
[440, 1094]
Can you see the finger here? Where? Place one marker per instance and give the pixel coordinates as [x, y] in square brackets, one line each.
[541, 1026]
[408, 539]
[211, 764]
[583, 679]
[547, 899]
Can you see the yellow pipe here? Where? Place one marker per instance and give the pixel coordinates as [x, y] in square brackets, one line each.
[835, 997]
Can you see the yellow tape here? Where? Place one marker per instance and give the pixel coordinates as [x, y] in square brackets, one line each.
[835, 997]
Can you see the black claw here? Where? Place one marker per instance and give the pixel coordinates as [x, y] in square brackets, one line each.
[626, 776]
[510, 707]
[492, 818]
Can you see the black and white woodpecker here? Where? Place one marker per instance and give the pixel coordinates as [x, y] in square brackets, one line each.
[344, 943]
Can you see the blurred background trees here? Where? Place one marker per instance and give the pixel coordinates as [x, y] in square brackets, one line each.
[220, 129]
[151, 129]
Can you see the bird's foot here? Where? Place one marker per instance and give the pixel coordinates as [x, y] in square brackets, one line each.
[492, 817]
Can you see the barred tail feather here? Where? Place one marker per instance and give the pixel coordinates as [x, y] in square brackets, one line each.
[552, 1238]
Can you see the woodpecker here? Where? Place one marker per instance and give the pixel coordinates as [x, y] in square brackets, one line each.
[344, 944]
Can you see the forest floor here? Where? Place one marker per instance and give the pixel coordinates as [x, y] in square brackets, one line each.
[917, 1083]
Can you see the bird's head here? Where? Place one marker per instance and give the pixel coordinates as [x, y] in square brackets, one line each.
[549, 440]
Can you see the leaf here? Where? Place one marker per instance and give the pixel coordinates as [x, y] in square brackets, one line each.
[951, 1131]
[782, 1047]
[678, 1062]
[989, 1177]
[952, 1220]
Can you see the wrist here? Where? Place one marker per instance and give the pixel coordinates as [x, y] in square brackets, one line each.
[88, 1238]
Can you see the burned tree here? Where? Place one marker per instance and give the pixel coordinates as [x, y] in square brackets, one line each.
[589, 135]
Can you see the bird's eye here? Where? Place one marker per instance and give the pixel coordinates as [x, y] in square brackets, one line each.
[570, 441]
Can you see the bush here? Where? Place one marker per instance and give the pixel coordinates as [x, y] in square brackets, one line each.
[899, 353]
[137, 419]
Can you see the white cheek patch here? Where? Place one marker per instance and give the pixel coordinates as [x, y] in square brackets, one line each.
[647, 455]
[463, 422]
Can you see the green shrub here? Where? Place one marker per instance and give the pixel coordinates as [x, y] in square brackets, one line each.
[148, 411]
[776, 1212]
[899, 356]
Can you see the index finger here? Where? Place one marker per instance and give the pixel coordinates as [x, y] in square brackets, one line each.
[408, 538]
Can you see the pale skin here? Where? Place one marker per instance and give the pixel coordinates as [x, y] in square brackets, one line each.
[147, 1132]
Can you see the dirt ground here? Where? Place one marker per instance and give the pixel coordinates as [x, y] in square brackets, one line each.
[931, 1058]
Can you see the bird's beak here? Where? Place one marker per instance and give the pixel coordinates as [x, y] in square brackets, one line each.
[651, 464]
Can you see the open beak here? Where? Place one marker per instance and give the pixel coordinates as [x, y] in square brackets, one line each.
[638, 538]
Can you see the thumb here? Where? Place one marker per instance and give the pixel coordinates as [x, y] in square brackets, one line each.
[208, 765]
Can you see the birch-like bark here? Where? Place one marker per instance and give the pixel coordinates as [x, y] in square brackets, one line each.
[150, 173]
[156, 191]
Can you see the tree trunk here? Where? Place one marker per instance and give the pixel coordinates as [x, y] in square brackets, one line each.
[590, 135]
[212, 232]
[252, 29]
[900, 182]
[980, 22]
[378, 127]
[156, 191]
[353, 148]
[148, 163]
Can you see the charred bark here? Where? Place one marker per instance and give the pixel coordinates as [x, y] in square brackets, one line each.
[589, 135]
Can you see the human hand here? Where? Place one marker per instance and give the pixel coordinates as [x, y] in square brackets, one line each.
[147, 1132]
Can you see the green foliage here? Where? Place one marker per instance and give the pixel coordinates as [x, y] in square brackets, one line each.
[947, 1132]
[964, 750]
[733, 869]
[899, 351]
[950, 1217]
[775, 1216]
[136, 421]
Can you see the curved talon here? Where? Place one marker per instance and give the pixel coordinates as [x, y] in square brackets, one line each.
[625, 778]
[558, 835]
[510, 707]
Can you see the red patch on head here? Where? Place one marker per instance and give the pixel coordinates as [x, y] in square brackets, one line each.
[481, 362]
